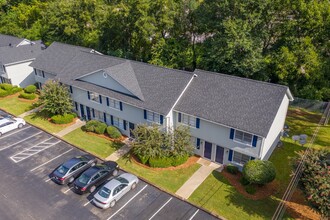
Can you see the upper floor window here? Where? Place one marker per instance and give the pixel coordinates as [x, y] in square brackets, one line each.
[240, 158]
[243, 137]
[3, 68]
[40, 73]
[94, 96]
[153, 116]
[114, 103]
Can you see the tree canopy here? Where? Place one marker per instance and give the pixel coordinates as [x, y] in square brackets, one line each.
[285, 42]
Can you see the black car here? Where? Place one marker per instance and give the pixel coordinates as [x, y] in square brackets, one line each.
[95, 176]
[71, 169]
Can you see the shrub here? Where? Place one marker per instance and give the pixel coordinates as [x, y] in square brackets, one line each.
[91, 125]
[6, 86]
[27, 96]
[3, 93]
[16, 90]
[244, 181]
[30, 89]
[143, 160]
[62, 119]
[100, 129]
[250, 189]
[178, 160]
[259, 172]
[113, 132]
[232, 169]
[160, 162]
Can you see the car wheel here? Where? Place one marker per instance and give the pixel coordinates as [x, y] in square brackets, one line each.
[113, 203]
[20, 126]
[71, 180]
[115, 173]
[92, 189]
[133, 186]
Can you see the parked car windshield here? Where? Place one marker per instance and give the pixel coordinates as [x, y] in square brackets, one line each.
[122, 180]
[104, 192]
[62, 169]
[83, 179]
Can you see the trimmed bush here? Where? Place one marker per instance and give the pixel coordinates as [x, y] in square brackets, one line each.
[16, 90]
[6, 86]
[62, 119]
[3, 93]
[143, 160]
[113, 132]
[27, 96]
[244, 181]
[30, 89]
[161, 162]
[232, 169]
[100, 129]
[250, 189]
[178, 160]
[259, 172]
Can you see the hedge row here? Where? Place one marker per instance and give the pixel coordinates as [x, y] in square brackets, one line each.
[101, 127]
[8, 89]
[163, 162]
[30, 89]
[63, 119]
[29, 96]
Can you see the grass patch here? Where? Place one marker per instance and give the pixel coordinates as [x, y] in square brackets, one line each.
[14, 105]
[169, 180]
[93, 144]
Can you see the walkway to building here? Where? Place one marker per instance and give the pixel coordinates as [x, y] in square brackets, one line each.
[197, 178]
[70, 128]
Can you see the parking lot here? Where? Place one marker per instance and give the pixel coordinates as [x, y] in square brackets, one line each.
[29, 154]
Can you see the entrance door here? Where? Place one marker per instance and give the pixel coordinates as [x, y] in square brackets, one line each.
[219, 154]
[82, 112]
[88, 113]
[207, 150]
[131, 128]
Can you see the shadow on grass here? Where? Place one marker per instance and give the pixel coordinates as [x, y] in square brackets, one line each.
[43, 115]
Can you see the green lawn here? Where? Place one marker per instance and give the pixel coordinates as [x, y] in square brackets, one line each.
[169, 180]
[217, 195]
[95, 145]
[43, 123]
[14, 105]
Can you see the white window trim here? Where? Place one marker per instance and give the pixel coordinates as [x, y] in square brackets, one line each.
[240, 164]
[98, 97]
[244, 143]
[189, 118]
[153, 116]
[113, 107]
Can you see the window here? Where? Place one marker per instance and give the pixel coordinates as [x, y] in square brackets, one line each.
[114, 104]
[40, 73]
[195, 142]
[243, 137]
[3, 68]
[98, 115]
[119, 123]
[153, 117]
[188, 120]
[240, 158]
[94, 96]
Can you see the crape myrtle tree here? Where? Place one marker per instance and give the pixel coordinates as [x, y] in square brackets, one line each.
[55, 98]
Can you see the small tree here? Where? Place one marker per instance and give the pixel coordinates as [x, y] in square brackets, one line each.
[315, 179]
[55, 98]
[259, 171]
[182, 144]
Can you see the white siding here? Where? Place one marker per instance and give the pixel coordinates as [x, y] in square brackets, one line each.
[277, 126]
[21, 74]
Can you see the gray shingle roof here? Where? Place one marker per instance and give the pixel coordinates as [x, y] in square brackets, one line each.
[155, 88]
[5, 40]
[236, 102]
[16, 54]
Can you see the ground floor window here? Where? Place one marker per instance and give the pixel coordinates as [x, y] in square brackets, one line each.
[196, 142]
[119, 123]
[99, 115]
[240, 158]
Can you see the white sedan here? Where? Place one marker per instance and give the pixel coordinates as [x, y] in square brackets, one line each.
[112, 191]
[8, 124]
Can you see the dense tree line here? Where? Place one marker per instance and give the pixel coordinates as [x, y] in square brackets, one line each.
[280, 41]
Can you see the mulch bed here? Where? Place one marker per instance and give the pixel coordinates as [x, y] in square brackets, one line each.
[191, 161]
[261, 191]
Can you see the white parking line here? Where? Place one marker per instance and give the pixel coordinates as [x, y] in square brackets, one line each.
[127, 202]
[51, 160]
[194, 214]
[160, 208]
[18, 158]
[68, 190]
[22, 129]
[88, 202]
[4, 148]
[49, 179]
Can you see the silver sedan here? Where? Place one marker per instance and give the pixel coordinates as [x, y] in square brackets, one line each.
[113, 190]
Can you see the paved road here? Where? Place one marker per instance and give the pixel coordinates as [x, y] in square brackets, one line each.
[28, 155]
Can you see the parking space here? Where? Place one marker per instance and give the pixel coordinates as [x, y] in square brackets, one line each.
[28, 155]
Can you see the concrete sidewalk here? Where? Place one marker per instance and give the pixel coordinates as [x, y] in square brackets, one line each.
[30, 112]
[70, 128]
[119, 153]
[197, 178]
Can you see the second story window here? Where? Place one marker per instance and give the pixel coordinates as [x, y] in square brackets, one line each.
[94, 96]
[243, 137]
[114, 104]
[153, 117]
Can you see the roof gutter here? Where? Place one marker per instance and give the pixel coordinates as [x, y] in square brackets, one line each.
[18, 62]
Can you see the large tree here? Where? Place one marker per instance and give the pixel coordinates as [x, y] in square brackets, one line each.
[55, 98]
